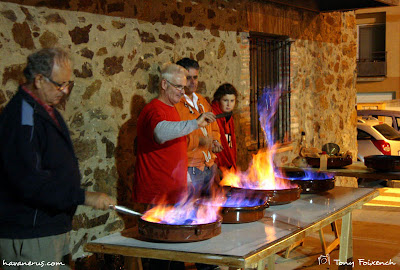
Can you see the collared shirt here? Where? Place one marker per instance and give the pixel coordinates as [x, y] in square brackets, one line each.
[193, 102]
[48, 108]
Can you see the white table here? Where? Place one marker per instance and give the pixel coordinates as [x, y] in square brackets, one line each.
[243, 245]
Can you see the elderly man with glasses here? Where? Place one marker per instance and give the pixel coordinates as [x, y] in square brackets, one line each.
[161, 164]
[39, 172]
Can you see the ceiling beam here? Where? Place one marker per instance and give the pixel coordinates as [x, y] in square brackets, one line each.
[327, 6]
[389, 2]
[311, 5]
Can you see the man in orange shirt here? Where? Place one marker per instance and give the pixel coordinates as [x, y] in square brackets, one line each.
[201, 143]
[204, 142]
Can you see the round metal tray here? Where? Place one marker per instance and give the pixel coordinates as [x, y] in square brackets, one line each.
[160, 232]
[243, 214]
[275, 196]
[332, 163]
[383, 163]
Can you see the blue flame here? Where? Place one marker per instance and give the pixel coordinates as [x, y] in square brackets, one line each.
[267, 105]
[243, 202]
[303, 175]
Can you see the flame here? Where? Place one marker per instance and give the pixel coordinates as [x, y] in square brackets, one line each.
[190, 210]
[231, 178]
[310, 175]
[304, 175]
[187, 214]
[261, 173]
[243, 200]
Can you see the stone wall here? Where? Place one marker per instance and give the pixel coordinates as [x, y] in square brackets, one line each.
[323, 92]
[323, 82]
[117, 48]
[115, 68]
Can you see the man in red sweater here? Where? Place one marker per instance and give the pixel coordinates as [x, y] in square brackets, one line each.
[161, 165]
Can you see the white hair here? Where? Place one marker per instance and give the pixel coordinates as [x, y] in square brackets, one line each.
[170, 70]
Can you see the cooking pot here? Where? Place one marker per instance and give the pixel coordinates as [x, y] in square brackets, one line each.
[243, 214]
[315, 182]
[160, 232]
[333, 162]
[274, 196]
[383, 163]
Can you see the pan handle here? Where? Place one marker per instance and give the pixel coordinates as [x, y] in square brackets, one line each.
[125, 210]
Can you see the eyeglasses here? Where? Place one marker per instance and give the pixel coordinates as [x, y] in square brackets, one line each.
[61, 86]
[177, 86]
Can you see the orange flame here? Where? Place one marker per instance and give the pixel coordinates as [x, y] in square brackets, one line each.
[260, 175]
[189, 210]
[231, 178]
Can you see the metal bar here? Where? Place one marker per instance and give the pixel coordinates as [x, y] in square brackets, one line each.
[253, 123]
[289, 89]
[346, 239]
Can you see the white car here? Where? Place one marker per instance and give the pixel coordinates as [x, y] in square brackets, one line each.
[376, 138]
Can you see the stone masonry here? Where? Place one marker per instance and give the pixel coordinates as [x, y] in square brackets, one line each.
[117, 48]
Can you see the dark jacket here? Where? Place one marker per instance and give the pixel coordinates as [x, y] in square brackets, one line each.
[39, 172]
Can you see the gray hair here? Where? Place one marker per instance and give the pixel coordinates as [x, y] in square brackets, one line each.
[42, 62]
[169, 70]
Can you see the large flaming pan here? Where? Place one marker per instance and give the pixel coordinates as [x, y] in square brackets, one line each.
[383, 163]
[283, 196]
[274, 197]
[243, 214]
[315, 186]
[317, 183]
[159, 232]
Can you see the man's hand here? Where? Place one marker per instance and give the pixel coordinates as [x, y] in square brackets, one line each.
[206, 141]
[205, 118]
[216, 147]
[98, 200]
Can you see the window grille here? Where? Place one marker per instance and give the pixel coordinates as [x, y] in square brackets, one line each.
[270, 68]
[371, 60]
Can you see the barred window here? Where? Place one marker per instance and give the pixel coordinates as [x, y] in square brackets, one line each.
[270, 68]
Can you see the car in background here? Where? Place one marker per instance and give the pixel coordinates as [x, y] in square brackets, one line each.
[392, 118]
[376, 138]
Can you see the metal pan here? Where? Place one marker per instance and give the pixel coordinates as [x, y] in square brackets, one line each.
[235, 215]
[274, 197]
[315, 183]
[383, 163]
[332, 163]
[159, 232]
